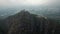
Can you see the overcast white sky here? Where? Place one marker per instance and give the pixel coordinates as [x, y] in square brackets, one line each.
[27, 2]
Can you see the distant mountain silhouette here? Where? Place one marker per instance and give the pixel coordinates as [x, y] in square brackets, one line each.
[27, 23]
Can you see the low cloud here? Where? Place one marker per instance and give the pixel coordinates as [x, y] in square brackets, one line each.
[28, 2]
[21, 2]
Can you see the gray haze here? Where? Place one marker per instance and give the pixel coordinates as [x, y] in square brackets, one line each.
[10, 7]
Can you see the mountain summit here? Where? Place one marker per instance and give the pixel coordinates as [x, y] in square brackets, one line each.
[27, 23]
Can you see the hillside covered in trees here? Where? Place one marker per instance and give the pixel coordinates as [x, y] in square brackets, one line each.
[26, 23]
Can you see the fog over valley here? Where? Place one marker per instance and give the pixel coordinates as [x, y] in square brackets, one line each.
[10, 7]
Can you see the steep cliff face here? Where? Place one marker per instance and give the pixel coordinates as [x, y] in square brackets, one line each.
[26, 23]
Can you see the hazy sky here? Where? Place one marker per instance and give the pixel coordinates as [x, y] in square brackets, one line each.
[13, 3]
[23, 2]
[27, 2]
